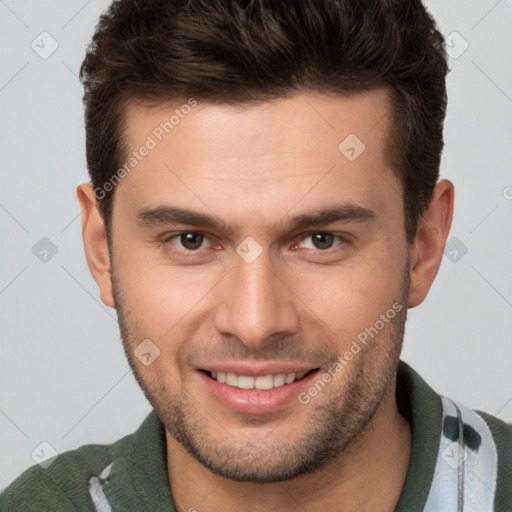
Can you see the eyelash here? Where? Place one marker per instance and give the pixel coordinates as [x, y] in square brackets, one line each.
[167, 240]
[343, 240]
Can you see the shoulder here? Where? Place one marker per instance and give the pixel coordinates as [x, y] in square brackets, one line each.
[502, 435]
[458, 454]
[502, 432]
[71, 482]
[61, 486]
[476, 455]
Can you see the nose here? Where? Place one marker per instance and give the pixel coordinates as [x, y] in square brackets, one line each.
[256, 304]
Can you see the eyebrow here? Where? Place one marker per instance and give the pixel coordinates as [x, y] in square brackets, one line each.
[172, 215]
[346, 212]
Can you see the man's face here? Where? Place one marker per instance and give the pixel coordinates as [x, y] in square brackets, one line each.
[295, 250]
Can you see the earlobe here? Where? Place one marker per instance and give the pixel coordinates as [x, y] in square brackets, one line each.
[94, 237]
[427, 251]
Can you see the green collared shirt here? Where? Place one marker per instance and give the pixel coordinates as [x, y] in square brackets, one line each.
[461, 460]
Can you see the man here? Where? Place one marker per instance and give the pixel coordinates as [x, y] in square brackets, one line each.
[264, 207]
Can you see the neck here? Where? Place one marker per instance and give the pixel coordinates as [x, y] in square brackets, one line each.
[368, 475]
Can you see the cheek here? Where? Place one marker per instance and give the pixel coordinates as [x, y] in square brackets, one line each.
[163, 298]
[348, 299]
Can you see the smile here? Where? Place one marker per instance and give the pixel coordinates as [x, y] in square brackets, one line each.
[261, 383]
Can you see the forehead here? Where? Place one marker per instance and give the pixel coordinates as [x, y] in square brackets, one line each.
[265, 157]
[261, 125]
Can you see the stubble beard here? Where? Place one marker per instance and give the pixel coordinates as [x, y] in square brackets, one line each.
[337, 416]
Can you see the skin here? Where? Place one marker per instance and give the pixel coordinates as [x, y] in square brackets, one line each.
[254, 169]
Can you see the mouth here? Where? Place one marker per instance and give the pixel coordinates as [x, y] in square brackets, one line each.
[256, 389]
[257, 383]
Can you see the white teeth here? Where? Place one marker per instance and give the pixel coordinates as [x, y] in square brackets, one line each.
[289, 378]
[232, 379]
[263, 382]
[245, 382]
[279, 380]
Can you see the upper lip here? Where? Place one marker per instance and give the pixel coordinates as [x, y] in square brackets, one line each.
[257, 370]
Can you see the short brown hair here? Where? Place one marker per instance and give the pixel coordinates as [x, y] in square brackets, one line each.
[243, 51]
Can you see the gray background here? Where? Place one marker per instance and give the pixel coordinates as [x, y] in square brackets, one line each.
[64, 378]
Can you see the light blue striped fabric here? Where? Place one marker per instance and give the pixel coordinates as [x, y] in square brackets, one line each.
[467, 464]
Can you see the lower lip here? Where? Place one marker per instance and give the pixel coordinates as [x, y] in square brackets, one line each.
[254, 401]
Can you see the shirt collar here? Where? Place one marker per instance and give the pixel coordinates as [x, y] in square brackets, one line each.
[138, 478]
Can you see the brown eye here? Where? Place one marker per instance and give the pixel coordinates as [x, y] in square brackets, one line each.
[322, 240]
[191, 241]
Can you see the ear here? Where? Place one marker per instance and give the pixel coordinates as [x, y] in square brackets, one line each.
[426, 252]
[94, 237]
